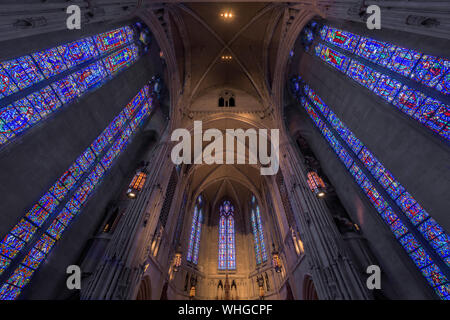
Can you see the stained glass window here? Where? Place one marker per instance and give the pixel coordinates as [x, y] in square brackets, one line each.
[88, 169]
[50, 62]
[427, 226]
[77, 52]
[7, 85]
[113, 39]
[334, 58]
[428, 70]
[121, 59]
[227, 250]
[23, 72]
[342, 39]
[258, 232]
[196, 229]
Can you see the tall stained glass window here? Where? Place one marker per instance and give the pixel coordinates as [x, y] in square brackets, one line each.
[227, 249]
[417, 232]
[64, 200]
[258, 232]
[196, 229]
[107, 54]
[430, 71]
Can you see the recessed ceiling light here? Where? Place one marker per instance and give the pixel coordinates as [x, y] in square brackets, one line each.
[227, 14]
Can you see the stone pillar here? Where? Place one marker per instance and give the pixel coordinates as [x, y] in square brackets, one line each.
[333, 272]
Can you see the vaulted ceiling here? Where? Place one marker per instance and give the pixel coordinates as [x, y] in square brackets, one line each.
[194, 37]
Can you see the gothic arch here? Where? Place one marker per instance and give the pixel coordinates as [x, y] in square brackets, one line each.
[145, 289]
[309, 290]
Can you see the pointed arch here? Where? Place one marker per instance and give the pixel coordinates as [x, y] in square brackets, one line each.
[227, 247]
[196, 229]
[258, 231]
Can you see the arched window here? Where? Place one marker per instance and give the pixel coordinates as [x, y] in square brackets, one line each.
[258, 232]
[227, 249]
[227, 99]
[196, 229]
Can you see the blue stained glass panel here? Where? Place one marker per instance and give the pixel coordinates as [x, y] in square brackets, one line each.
[121, 59]
[389, 216]
[430, 70]
[56, 229]
[332, 57]
[66, 89]
[192, 235]
[398, 228]
[73, 206]
[113, 39]
[50, 62]
[12, 119]
[90, 76]
[44, 102]
[29, 114]
[76, 171]
[37, 215]
[4, 263]
[440, 118]
[7, 85]
[8, 292]
[440, 241]
[387, 87]
[67, 180]
[86, 159]
[362, 74]
[444, 291]
[444, 84]
[394, 190]
[65, 216]
[96, 174]
[44, 244]
[10, 246]
[404, 201]
[434, 275]
[48, 202]
[22, 71]
[403, 60]
[21, 276]
[77, 52]
[416, 214]
[24, 230]
[430, 229]
[323, 32]
[108, 159]
[100, 143]
[375, 51]
[409, 242]
[81, 195]
[343, 39]
[33, 259]
[420, 258]
[409, 100]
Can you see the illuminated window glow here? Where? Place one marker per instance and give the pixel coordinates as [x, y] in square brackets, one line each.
[258, 232]
[227, 249]
[196, 229]
[26, 71]
[431, 231]
[64, 200]
[430, 112]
